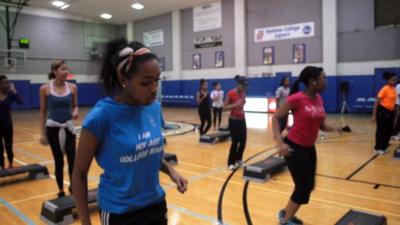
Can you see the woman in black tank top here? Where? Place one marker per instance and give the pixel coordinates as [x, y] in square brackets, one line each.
[8, 95]
[203, 99]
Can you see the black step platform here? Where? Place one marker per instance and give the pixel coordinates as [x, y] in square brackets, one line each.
[355, 217]
[396, 154]
[215, 137]
[59, 211]
[35, 171]
[263, 170]
[170, 158]
[224, 129]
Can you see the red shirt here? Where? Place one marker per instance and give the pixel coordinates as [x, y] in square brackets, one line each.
[237, 112]
[308, 113]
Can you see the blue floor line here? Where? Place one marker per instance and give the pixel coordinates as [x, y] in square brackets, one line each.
[16, 212]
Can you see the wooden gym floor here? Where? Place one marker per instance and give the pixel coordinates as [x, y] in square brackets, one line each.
[349, 176]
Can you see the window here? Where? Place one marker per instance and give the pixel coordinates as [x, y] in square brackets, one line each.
[387, 12]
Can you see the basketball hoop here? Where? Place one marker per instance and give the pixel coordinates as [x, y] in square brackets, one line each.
[11, 60]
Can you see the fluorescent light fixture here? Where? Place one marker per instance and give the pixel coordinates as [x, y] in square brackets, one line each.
[137, 6]
[58, 3]
[106, 16]
[64, 6]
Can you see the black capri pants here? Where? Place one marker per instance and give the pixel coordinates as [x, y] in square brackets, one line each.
[151, 215]
[302, 164]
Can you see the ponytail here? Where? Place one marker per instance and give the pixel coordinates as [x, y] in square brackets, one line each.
[295, 87]
[51, 76]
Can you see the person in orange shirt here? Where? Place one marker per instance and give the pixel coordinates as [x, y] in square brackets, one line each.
[384, 112]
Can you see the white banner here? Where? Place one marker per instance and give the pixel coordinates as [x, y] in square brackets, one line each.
[291, 31]
[207, 17]
[153, 38]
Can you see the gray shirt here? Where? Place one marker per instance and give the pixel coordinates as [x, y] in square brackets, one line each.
[281, 94]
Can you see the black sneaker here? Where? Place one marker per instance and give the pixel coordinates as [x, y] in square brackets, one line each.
[61, 194]
[293, 221]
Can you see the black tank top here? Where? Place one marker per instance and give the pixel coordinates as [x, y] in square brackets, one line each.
[205, 104]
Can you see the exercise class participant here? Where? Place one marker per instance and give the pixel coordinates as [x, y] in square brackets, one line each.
[235, 101]
[281, 94]
[8, 95]
[298, 147]
[58, 109]
[384, 113]
[123, 132]
[203, 101]
[396, 128]
[217, 97]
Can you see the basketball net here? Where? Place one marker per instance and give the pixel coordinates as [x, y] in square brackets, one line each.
[12, 67]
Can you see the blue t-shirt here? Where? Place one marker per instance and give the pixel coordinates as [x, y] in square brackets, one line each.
[130, 153]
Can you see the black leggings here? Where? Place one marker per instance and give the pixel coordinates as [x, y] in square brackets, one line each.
[302, 164]
[151, 215]
[217, 113]
[384, 127]
[396, 122]
[205, 117]
[52, 136]
[283, 123]
[238, 131]
[6, 136]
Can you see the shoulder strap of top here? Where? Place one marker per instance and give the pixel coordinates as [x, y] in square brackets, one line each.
[51, 88]
[67, 87]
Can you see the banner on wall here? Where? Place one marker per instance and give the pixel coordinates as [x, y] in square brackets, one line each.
[207, 17]
[153, 38]
[291, 31]
[207, 42]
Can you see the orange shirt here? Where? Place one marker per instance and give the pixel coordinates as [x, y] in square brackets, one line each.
[388, 97]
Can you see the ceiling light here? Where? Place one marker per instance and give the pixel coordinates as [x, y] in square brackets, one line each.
[106, 16]
[58, 3]
[137, 6]
[64, 7]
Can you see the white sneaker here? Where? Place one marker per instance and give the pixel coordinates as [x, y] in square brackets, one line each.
[379, 151]
[396, 137]
[231, 167]
[239, 163]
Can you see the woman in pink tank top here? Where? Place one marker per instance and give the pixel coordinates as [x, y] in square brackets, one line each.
[298, 146]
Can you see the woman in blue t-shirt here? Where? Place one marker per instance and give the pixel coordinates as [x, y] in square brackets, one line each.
[123, 133]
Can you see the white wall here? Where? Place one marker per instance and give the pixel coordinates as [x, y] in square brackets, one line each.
[329, 53]
[330, 62]
[364, 68]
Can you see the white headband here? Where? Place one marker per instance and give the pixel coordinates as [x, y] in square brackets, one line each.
[128, 51]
